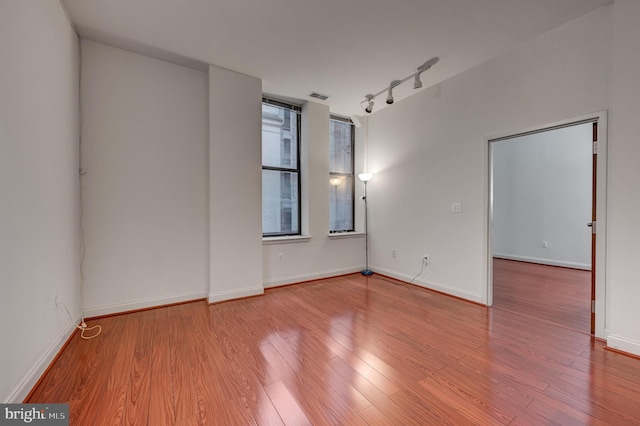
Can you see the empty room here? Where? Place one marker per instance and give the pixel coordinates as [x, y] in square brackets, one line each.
[230, 213]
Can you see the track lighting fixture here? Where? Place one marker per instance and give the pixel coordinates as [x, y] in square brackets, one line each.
[393, 84]
[417, 84]
[369, 107]
[390, 97]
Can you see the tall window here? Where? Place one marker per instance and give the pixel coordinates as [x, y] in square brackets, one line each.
[280, 168]
[341, 178]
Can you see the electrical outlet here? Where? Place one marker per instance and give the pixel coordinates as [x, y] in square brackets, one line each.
[425, 259]
[545, 244]
[456, 208]
[394, 253]
[280, 256]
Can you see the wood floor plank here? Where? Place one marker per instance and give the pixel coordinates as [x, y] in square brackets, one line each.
[381, 351]
[245, 385]
[480, 408]
[384, 405]
[287, 407]
[602, 401]
[126, 346]
[110, 410]
[366, 369]
[182, 386]
[558, 295]
[349, 350]
[428, 409]
[311, 406]
[336, 391]
[137, 409]
[560, 413]
[94, 390]
[246, 346]
[161, 398]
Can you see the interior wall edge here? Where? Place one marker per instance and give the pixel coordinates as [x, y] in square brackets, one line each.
[550, 262]
[96, 311]
[300, 278]
[223, 296]
[432, 285]
[623, 344]
[40, 367]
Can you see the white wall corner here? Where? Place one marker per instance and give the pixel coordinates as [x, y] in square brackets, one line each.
[235, 205]
[153, 302]
[222, 296]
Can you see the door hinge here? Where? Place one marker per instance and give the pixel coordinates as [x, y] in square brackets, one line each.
[593, 306]
[595, 147]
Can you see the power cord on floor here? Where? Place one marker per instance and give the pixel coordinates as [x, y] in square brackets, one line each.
[419, 273]
[83, 325]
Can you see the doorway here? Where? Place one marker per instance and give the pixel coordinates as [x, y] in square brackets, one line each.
[546, 186]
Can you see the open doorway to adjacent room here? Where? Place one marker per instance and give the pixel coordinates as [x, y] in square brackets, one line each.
[543, 208]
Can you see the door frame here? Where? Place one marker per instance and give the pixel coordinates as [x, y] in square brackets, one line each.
[601, 291]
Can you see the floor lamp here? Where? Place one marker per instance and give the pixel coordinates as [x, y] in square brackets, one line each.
[335, 182]
[366, 177]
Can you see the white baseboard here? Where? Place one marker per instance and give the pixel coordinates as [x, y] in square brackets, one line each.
[292, 279]
[552, 262]
[623, 344]
[141, 304]
[432, 285]
[222, 296]
[31, 378]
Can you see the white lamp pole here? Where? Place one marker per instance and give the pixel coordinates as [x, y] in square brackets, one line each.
[366, 177]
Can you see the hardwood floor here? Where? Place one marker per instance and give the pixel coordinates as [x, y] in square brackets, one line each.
[558, 295]
[350, 351]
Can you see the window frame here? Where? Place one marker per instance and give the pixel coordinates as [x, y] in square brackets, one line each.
[297, 110]
[352, 175]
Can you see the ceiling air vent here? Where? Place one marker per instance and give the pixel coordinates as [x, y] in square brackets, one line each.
[318, 96]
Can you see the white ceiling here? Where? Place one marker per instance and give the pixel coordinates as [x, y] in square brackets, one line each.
[342, 48]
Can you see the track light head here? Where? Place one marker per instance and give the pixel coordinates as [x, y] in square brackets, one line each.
[369, 107]
[417, 83]
[393, 84]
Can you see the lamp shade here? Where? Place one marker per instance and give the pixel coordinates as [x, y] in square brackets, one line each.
[365, 177]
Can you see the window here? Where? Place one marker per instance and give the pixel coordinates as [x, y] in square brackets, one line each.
[280, 169]
[341, 178]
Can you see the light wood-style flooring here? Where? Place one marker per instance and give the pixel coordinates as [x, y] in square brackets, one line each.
[558, 295]
[350, 351]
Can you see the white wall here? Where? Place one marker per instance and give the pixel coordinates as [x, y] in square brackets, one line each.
[235, 118]
[623, 280]
[295, 260]
[145, 193]
[39, 211]
[542, 192]
[430, 150]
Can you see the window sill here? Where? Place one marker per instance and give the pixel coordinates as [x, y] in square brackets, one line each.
[289, 239]
[341, 235]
